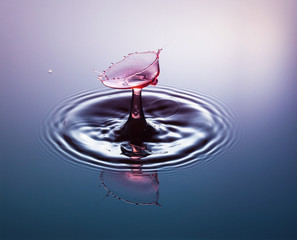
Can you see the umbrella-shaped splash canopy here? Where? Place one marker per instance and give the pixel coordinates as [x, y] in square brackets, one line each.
[137, 70]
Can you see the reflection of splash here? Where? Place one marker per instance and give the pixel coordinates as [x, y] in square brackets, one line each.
[135, 152]
[133, 187]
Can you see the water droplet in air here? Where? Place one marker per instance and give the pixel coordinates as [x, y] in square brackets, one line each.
[50, 71]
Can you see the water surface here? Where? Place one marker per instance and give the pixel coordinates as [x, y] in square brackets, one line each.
[187, 128]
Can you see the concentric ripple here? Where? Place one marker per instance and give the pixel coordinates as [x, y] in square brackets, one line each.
[190, 128]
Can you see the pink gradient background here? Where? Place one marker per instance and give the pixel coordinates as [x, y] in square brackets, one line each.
[237, 50]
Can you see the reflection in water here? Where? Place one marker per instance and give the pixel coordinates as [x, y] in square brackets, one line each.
[134, 186]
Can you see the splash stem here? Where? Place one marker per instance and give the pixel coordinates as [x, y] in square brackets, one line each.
[136, 111]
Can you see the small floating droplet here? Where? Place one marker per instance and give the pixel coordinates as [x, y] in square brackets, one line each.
[50, 71]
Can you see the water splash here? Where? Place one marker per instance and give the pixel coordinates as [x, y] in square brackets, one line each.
[137, 70]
